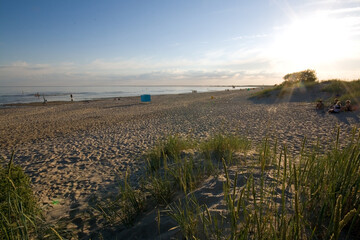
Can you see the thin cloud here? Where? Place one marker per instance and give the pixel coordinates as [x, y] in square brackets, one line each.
[328, 3]
[19, 64]
[51, 75]
[321, 2]
[248, 37]
[343, 10]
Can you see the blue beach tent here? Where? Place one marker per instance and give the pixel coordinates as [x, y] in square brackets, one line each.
[145, 98]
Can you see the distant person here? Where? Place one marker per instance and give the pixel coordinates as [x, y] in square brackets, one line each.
[319, 105]
[336, 108]
[45, 101]
[347, 107]
[71, 97]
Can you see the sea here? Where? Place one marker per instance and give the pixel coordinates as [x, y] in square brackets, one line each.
[10, 95]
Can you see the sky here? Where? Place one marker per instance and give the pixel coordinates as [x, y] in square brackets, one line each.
[169, 42]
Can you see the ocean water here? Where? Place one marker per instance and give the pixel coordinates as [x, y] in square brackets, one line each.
[37, 94]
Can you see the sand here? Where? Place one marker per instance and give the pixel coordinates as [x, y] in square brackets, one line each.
[75, 152]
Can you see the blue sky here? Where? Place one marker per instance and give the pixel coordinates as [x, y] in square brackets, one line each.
[172, 42]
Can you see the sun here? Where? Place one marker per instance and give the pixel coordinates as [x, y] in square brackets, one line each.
[311, 41]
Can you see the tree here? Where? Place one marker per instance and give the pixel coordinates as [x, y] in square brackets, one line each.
[307, 75]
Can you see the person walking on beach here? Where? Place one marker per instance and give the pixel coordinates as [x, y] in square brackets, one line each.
[71, 97]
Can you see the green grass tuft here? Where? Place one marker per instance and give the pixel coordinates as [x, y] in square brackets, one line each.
[20, 215]
[125, 207]
[166, 151]
[267, 92]
[223, 147]
[346, 89]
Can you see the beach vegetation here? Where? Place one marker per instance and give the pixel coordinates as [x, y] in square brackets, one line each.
[187, 214]
[125, 207]
[173, 173]
[267, 153]
[17, 203]
[269, 195]
[183, 175]
[132, 202]
[302, 82]
[266, 92]
[166, 150]
[223, 147]
[298, 81]
[20, 215]
[335, 86]
[314, 196]
[161, 188]
[307, 75]
[343, 89]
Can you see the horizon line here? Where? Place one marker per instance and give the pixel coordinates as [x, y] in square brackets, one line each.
[153, 85]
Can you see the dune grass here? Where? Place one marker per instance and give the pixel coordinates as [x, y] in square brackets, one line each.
[125, 207]
[20, 215]
[267, 92]
[283, 89]
[345, 90]
[223, 146]
[17, 204]
[166, 151]
[170, 170]
[315, 196]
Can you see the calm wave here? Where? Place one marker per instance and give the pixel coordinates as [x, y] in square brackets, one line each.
[37, 94]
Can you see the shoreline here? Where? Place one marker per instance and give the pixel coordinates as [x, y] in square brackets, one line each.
[51, 103]
[58, 96]
[74, 152]
[54, 103]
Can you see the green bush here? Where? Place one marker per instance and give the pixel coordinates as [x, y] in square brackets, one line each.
[307, 75]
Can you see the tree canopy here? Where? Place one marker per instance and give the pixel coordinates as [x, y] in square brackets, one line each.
[308, 75]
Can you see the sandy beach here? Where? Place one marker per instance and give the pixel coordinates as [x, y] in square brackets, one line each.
[76, 151]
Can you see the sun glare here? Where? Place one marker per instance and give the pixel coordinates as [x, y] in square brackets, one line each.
[314, 40]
